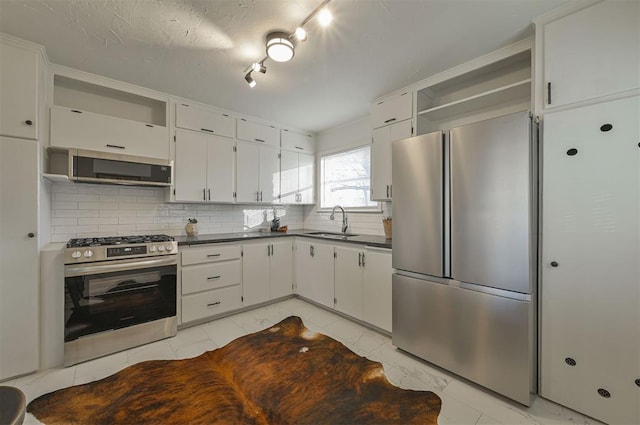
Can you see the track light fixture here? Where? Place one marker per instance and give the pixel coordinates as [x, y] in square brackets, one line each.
[250, 80]
[280, 45]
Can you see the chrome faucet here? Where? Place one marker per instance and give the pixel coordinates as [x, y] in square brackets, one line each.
[345, 221]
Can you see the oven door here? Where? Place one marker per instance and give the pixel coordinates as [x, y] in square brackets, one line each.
[118, 294]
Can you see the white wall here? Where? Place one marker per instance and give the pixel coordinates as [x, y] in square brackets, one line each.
[350, 135]
[86, 210]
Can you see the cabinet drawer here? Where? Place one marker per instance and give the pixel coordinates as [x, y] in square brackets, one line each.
[257, 132]
[300, 142]
[208, 121]
[211, 303]
[210, 254]
[392, 109]
[204, 277]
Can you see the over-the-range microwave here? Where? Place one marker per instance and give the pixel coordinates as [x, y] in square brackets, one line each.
[103, 167]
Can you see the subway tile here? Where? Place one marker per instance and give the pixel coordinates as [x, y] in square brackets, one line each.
[75, 197]
[98, 220]
[64, 205]
[64, 221]
[75, 213]
[117, 228]
[75, 229]
[97, 206]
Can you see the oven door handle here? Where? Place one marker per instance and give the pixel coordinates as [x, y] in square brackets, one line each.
[117, 266]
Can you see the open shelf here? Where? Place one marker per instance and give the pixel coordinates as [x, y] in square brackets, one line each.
[520, 90]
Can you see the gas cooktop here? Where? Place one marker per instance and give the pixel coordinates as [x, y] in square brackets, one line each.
[118, 240]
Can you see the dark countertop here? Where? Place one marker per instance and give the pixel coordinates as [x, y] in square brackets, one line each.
[370, 240]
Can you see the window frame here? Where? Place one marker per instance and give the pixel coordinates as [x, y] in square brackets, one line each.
[377, 208]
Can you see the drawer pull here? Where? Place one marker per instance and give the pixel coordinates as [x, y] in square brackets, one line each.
[116, 146]
[298, 147]
[207, 130]
[389, 120]
[213, 277]
[259, 140]
[213, 255]
[214, 304]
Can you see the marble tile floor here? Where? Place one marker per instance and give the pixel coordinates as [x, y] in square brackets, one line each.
[462, 402]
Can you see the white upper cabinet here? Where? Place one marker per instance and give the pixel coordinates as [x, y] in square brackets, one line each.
[258, 173]
[193, 117]
[381, 185]
[296, 178]
[75, 128]
[204, 168]
[391, 109]
[90, 112]
[19, 88]
[252, 131]
[296, 141]
[592, 53]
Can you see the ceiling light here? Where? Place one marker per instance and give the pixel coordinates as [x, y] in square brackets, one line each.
[250, 81]
[325, 17]
[301, 34]
[259, 67]
[279, 47]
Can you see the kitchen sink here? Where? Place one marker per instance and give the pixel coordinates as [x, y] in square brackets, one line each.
[332, 235]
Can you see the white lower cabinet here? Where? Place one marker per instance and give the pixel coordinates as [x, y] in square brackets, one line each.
[267, 270]
[376, 288]
[211, 278]
[314, 271]
[348, 274]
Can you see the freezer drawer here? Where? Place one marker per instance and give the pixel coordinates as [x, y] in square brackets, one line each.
[485, 338]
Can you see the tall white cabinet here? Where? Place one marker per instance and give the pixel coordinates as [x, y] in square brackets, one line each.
[19, 273]
[258, 173]
[589, 269]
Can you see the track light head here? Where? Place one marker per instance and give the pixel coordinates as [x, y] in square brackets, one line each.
[250, 80]
[259, 67]
[301, 34]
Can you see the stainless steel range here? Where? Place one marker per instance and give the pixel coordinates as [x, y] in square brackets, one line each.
[120, 292]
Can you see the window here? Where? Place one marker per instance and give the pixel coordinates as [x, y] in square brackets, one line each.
[345, 179]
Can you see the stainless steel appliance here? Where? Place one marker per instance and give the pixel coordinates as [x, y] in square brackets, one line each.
[102, 167]
[120, 292]
[464, 251]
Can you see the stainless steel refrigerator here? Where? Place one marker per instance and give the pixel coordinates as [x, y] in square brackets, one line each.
[464, 251]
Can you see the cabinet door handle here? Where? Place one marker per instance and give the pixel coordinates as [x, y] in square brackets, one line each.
[213, 277]
[390, 191]
[272, 250]
[76, 111]
[268, 250]
[549, 93]
[259, 140]
[387, 191]
[116, 146]
[311, 250]
[389, 120]
[207, 130]
[363, 259]
[28, 122]
[213, 255]
[213, 304]
[31, 235]
[298, 147]
[554, 264]
[149, 125]
[260, 196]
[359, 259]
[209, 193]
[204, 194]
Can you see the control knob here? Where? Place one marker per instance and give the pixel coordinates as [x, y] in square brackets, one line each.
[76, 254]
[169, 247]
[88, 253]
[152, 248]
[160, 248]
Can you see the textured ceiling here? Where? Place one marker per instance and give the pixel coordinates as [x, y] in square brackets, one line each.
[199, 49]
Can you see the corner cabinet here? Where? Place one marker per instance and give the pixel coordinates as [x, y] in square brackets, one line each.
[204, 167]
[19, 85]
[297, 172]
[257, 173]
[591, 53]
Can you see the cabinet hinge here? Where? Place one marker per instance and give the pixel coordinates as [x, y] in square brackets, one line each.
[412, 130]
[234, 194]
[242, 253]
[335, 255]
[279, 156]
[241, 298]
[235, 149]
[335, 301]
[174, 192]
[174, 138]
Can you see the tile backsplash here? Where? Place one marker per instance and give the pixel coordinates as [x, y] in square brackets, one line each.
[86, 210]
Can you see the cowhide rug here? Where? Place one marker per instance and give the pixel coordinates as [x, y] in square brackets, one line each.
[285, 374]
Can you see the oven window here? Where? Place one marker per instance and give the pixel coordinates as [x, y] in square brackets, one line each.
[101, 302]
